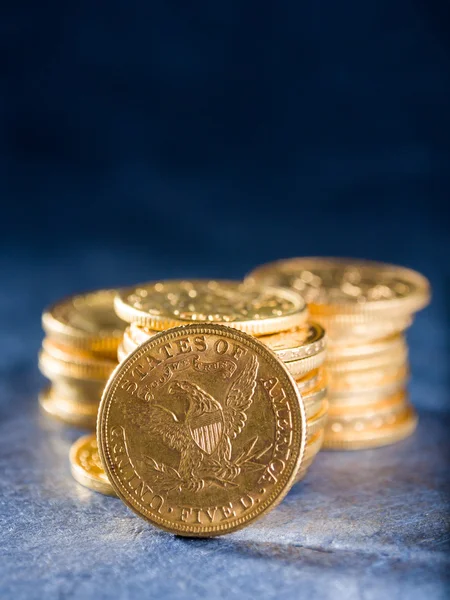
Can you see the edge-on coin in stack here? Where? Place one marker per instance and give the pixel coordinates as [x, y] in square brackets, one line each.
[277, 317]
[365, 307]
[78, 355]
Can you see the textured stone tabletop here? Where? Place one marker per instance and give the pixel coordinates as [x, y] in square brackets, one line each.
[370, 524]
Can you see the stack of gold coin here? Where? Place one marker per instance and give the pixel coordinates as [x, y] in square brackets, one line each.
[278, 317]
[78, 355]
[365, 308]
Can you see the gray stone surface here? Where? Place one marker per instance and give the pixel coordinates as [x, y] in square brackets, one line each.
[369, 525]
[362, 525]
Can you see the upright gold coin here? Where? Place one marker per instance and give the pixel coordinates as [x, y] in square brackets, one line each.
[253, 309]
[85, 321]
[201, 430]
[349, 288]
[86, 466]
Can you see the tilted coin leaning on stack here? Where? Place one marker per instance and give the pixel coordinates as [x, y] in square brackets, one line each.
[278, 318]
[365, 307]
[78, 355]
[201, 430]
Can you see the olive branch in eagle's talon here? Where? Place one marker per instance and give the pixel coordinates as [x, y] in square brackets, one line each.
[247, 459]
[167, 477]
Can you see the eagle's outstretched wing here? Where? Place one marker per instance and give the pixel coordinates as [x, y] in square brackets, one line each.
[163, 423]
[239, 398]
[157, 420]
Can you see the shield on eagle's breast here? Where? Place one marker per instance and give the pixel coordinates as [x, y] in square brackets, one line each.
[207, 430]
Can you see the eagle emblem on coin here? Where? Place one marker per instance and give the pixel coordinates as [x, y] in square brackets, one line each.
[201, 429]
[204, 437]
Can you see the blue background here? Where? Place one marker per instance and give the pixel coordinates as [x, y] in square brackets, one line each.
[144, 140]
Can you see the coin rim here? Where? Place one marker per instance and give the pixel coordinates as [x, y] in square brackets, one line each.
[79, 473]
[57, 329]
[260, 327]
[376, 438]
[52, 368]
[298, 442]
[51, 406]
[409, 304]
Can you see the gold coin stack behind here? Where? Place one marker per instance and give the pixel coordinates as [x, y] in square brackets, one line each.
[365, 308]
[78, 355]
[300, 344]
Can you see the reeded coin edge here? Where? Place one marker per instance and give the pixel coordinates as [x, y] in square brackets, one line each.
[301, 351]
[297, 368]
[384, 437]
[52, 407]
[53, 367]
[299, 431]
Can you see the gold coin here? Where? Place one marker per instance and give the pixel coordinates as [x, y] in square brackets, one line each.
[86, 466]
[319, 420]
[80, 391]
[54, 363]
[363, 333]
[378, 434]
[387, 405]
[337, 352]
[312, 449]
[70, 412]
[366, 396]
[85, 321]
[122, 353]
[313, 446]
[303, 348]
[294, 344]
[377, 361]
[348, 288]
[298, 368]
[340, 423]
[138, 334]
[310, 380]
[366, 379]
[251, 309]
[128, 344]
[297, 344]
[313, 399]
[303, 471]
[201, 430]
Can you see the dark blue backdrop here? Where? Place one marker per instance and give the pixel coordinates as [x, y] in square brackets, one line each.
[143, 140]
